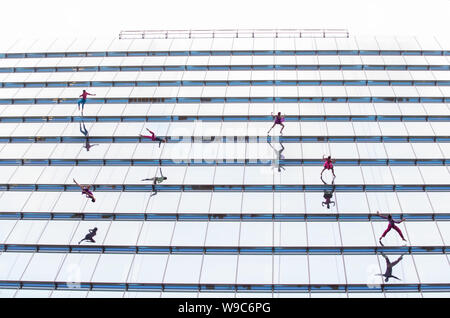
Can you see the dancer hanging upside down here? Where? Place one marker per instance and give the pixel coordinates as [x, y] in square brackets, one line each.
[85, 190]
[153, 137]
[90, 235]
[278, 121]
[391, 225]
[328, 165]
[156, 180]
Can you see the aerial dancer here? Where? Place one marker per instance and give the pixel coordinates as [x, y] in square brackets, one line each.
[156, 180]
[90, 235]
[278, 121]
[153, 137]
[389, 265]
[85, 190]
[82, 100]
[328, 165]
[391, 225]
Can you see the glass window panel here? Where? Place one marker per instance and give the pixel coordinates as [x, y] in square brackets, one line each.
[440, 128]
[147, 151]
[54, 175]
[194, 202]
[255, 269]
[223, 233]
[427, 151]
[291, 269]
[199, 175]
[164, 202]
[444, 229]
[385, 202]
[231, 151]
[111, 175]
[219, 269]
[392, 129]
[83, 174]
[77, 268]
[347, 175]
[26, 175]
[39, 151]
[204, 151]
[27, 130]
[189, 234]
[290, 234]
[6, 172]
[142, 295]
[414, 202]
[362, 269]
[132, 202]
[287, 175]
[323, 234]
[377, 175]
[286, 202]
[387, 109]
[118, 229]
[406, 175]
[70, 202]
[253, 203]
[335, 109]
[23, 293]
[52, 129]
[66, 151]
[5, 228]
[13, 201]
[399, 150]
[120, 151]
[357, 234]
[419, 129]
[423, 234]
[343, 150]
[313, 129]
[435, 174]
[260, 151]
[440, 201]
[234, 129]
[26, 232]
[366, 129]
[226, 202]
[351, 202]
[319, 267]
[183, 269]
[256, 234]
[118, 273]
[13, 265]
[148, 269]
[156, 233]
[58, 232]
[236, 109]
[43, 267]
[371, 151]
[115, 109]
[315, 150]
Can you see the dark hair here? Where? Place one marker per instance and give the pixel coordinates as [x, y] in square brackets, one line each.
[93, 200]
[329, 157]
[95, 229]
[165, 178]
[389, 216]
[279, 113]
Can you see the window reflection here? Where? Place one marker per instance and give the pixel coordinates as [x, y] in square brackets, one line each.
[389, 265]
[279, 156]
[328, 194]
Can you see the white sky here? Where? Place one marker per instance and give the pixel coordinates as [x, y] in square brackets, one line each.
[57, 18]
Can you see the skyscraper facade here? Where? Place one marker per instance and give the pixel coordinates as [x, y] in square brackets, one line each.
[172, 174]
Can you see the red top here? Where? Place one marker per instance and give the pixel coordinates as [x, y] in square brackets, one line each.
[84, 95]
